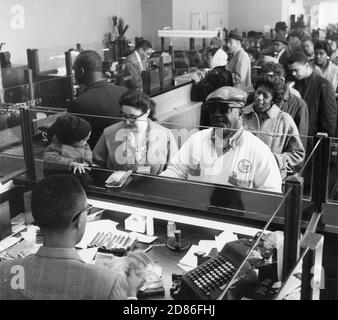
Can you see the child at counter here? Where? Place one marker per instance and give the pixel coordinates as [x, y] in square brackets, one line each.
[68, 151]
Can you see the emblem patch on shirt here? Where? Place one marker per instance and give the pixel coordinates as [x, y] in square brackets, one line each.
[244, 166]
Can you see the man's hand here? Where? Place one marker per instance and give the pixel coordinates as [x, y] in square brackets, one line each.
[79, 167]
[138, 262]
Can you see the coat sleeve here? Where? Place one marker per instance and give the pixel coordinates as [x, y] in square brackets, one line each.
[241, 68]
[53, 159]
[328, 110]
[131, 76]
[100, 152]
[293, 152]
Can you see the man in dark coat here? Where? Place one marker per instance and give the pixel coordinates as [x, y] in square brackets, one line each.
[100, 99]
[135, 64]
[318, 93]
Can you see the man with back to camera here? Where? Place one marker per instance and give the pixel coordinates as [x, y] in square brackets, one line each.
[56, 272]
[226, 154]
[100, 99]
[239, 64]
[135, 64]
[318, 93]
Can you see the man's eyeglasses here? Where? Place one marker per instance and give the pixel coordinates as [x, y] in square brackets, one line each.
[131, 116]
[87, 209]
[221, 108]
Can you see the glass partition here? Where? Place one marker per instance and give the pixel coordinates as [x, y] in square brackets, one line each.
[333, 171]
[11, 145]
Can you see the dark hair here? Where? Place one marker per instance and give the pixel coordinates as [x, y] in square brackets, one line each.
[139, 100]
[294, 34]
[144, 44]
[299, 57]
[271, 68]
[90, 61]
[274, 84]
[54, 200]
[323, 45]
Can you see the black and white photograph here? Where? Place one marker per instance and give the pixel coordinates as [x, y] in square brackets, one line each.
[169, 154]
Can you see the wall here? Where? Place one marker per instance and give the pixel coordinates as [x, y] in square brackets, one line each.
[156, 14]
[247, 15]
[63, 23]
[182, 10]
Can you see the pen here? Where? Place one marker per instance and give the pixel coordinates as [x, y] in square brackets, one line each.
[104, 239]
[94, 239]
[111, 242]
[148, 249]
[119, 244]
[116, 242]
[124, 245]
[98, 240]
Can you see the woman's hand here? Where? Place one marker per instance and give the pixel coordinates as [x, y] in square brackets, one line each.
[79, 167]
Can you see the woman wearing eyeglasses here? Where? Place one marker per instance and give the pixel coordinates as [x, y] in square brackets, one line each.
[136, 143]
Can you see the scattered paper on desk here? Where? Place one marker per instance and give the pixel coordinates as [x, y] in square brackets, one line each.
[144, 238]
[88, 255]
[224, 238]
[30, 233]
[206, 245]
[190, 259]
[93, 228]
[8, 242]
[185, 268]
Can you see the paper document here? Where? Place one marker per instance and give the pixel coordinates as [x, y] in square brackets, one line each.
[190, 259]
[224, 238]
[144, 238]
[92, 228]
[87, 255]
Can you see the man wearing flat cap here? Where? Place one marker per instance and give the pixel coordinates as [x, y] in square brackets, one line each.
[239, 64]
[226, 153]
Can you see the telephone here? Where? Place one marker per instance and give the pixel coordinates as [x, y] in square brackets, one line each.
[208, 280]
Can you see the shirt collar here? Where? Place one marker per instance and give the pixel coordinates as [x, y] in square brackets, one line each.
[271, 113]
[139, 60]
[233, 141]
[58, 253]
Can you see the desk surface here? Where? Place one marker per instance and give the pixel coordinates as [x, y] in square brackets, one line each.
[163, 256]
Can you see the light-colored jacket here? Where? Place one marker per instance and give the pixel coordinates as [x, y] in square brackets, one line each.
[112, 151]
[240, 67]
[279, 132]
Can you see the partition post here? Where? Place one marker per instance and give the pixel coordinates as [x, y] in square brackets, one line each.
[293, 215]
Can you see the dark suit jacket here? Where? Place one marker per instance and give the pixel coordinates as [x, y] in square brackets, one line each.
[319, 95]
[283, 60]
[100, 99]
[132, 73]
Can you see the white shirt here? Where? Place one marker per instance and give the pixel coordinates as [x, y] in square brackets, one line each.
[280, 54]
[248, 163]
[139, 60]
